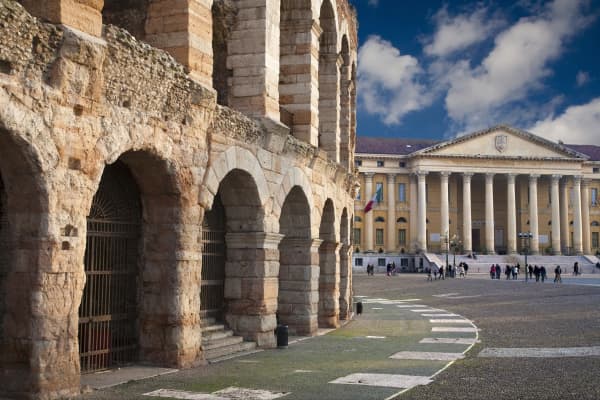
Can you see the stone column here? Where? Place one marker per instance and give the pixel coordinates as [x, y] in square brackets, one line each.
[85, 16]
[413, 212]
[368, 216]
[556, 225]
[564, 216]
[585, 216]
[391, 213]
[489, 214]
[444, 206]
[467, 227]
[511, 211]
[422, 212]
[345, 281]
[577, 229]
[533, 215]
[329, 284]
[329, 106]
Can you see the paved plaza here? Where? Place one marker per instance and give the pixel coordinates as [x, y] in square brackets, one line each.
[472, 338]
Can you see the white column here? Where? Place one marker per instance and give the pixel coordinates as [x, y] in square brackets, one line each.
[489, 214]
[533, 215]
[444, 206]
[368, 216]
[564, 216]
[556, 224]
[467, 233]
[413, 212]
[391, 213]
[422, 212]
[585, 216]
[577, 230]
[511, 211]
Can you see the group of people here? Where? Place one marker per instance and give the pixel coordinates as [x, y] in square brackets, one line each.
[390, 268]
[509, 271]
[436, 272]
[540, 272]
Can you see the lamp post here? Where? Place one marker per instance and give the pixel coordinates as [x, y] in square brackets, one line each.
[525, 237]
[455, 244]
[447, 248]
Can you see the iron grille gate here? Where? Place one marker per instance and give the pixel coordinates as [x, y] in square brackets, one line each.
[108, 312]
[212, 289]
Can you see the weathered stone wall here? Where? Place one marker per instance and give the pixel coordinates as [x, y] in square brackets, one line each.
[70, 104]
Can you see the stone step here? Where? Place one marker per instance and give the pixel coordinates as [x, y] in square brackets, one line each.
[228, 350]
[223, 342]
[213, 335]
[213, 328]
[207, 321]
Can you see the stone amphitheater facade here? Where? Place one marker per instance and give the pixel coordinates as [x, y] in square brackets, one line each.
[128, 129]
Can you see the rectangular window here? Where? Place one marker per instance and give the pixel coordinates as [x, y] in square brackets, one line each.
[402, 237]
[594, 196]
[595, 240]
[379, 237]
[379, 191]
[358, 262]
[358, 163]
[381, 262]
[404, 262]
[402, 164]
[402, 192]
[357, 236]
[596, 170]
[380, 163]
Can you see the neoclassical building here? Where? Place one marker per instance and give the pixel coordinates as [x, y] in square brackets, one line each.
[168, 167]
[481, 191]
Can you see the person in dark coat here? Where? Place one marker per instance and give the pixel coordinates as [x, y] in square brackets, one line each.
[530, 270]
[543, 273]
[536, 272]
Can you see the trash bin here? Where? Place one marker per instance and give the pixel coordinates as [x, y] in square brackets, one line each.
[282, 336]
[359, 308]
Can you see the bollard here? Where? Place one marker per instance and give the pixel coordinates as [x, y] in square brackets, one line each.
[359, 308]
[282, 336]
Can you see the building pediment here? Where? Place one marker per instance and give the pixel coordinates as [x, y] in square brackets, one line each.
[502, 142]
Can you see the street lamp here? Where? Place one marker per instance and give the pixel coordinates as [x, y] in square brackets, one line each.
[447, 248]
[455, 244]
[525, 237]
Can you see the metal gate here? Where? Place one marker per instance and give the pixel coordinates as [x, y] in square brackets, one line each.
[108, 312]
[212, 289]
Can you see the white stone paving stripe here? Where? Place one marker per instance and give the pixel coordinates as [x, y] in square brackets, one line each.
[541, 352]
[182, 394]
[445, 294]
[426, 355]
[376, 308]
[375, 337]
[450, 321]
[452, 329]
[420, 310]
[463, 297]
[440, 315]
[448, 341]
[410, 305]
[236, 393]
[384, 380]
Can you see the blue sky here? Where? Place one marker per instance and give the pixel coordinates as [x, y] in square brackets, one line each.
[436, 69]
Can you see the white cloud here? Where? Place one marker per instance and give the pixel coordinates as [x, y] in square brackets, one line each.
[582, 78]
[459, 32]
[388, 83]
[515, 67]
[577, 125]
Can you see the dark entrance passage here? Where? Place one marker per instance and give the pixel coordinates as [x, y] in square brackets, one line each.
[4, 246]
[108, 332]
[476, 237]
[212, 289]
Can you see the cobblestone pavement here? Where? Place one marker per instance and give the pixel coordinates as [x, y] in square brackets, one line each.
[404, 317]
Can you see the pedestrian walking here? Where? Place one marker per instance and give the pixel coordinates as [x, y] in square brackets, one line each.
[515, 272]
[466, 268]
[530, 270]
[507, 271]
[498, 271]
[536, 272]
[576, 269]
[543, 273]
[492, 271]
[557, 272]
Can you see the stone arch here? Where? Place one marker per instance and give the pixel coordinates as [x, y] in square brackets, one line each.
[345, 266]
[296, 177]
[298, 296]
[352, 91]
[298, 70]
[329, 269]
[130, 15]
[344, 104]
[23, 218]
[329, 81]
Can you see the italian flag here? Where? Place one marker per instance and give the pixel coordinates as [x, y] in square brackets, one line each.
[374, 201]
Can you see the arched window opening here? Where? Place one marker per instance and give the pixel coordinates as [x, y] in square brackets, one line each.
[357, 219]
[379, 219]
[130, 15]
[224, 17]
[401, 220]
[344, 104]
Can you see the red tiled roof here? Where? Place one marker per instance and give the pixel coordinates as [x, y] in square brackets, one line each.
[399, 146]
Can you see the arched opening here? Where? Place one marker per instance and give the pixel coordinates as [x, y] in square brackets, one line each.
[108, 314]
[344, 99]
[345, 268]
[329, 266]
[127, 14]
[224, 17]
[297, 69]
[352, 91]
[212, 288]
[298, 278]
[329, 132]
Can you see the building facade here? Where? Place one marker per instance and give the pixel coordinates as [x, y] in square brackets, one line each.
[481, 192]
[164, 164]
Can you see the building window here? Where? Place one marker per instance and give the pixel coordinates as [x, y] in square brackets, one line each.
[594, 196]
[358, 163]
[402, 164]
[401, 220]
[402, 237]
[358, 194]
[357, 219]
[357, 235]
[379, 237]
[380, 163]
[596, 170]
[379, 219]
[381, 262]
[595, 240]
[358, 262]
[379, 191]
[402, 192]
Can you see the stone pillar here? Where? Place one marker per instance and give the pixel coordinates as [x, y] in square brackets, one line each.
[391, 213]
[556, 224]
[83, 15]
[329, 285]
[489, 214]
[413, 212]
[329, 106]
[564, 216]
[251, 285]
[368, 216]
[345, 158]
[533, 215]
[444, 206]
[467, 227]
[511, 211]
[585, 216]
[345, 281]
[577, 228]
[422, 212]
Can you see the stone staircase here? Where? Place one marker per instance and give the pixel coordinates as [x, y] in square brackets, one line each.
[482, 262]
[220, 343]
